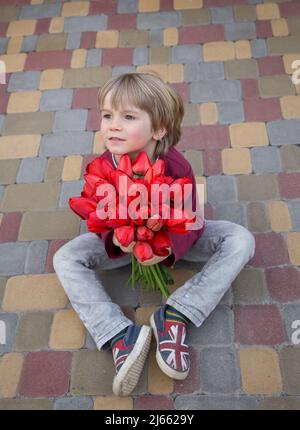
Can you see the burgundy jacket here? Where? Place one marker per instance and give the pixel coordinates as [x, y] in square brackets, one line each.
[176, 166]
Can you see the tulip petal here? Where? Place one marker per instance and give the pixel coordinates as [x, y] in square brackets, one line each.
[142, 251]
[125, 165]
[82, 206]
[141, 164]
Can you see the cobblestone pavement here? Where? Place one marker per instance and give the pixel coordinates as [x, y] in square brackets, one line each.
[231, 60]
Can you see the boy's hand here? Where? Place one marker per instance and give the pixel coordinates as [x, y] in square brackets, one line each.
[154, 260]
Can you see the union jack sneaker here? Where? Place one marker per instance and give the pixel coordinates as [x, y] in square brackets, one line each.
[129, 354]
[172, 353]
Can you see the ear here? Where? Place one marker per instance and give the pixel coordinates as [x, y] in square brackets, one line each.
[159, 134]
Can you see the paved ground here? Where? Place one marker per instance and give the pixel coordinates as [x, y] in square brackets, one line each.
[231, 61]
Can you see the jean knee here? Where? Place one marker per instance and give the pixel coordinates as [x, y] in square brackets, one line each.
[245, 242]
[57, 258]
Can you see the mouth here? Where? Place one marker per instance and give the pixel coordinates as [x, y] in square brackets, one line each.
[116, 139]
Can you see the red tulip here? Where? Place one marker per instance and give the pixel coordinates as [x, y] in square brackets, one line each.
[124, 235]
[158, 168]
[142, 251]
[160, 244]
[100, 167]
[125, 165]
[143, 233]
[180, 190]
[154, 223]
[82, 206]
[141, 164]
[95, 224]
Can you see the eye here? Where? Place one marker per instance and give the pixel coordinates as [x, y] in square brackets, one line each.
[130, 117]
[106, 115]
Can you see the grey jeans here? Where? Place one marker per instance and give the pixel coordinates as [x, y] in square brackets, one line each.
[224, 246]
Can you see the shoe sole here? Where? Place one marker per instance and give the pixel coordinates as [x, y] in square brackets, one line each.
[163, 366]
[129, 374]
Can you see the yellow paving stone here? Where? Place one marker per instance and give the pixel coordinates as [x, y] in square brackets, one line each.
[1, 217]
[14, 45]
[80, 8]
[24, 27]
[107, 39]
[175, 73]
[158, 382]
[78, 58]
[187, 4]
[13, 62]
[170, 36]
[51, 79]
[236, 161]
[260, 371]
[34, 292]
[160, 69]
[98, 145]
[24, 101]
[37, 2]
[243, 49]
[290, 107]
[248, 134]
[279, 27]
[267, 11]
[148, 5]
[67, 331]
[219, 51]
[279, 216]
[10, 371]
[208, 113]
[113, 403]
[288, 60]
[57, 24]
[143, 314]
[293, 241]
[20, 146]
[72, 168]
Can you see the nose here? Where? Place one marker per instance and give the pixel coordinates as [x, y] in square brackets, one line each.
[115, 123]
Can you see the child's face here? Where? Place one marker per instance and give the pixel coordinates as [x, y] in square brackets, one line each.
[133, 126]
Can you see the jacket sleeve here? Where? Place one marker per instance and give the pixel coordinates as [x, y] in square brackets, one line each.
[181, 243]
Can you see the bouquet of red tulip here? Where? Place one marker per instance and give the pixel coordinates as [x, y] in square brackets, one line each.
[142, 206]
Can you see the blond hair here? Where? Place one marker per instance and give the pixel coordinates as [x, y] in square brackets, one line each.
[148, 92]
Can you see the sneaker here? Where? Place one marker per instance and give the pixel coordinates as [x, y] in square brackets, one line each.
[129, 355]
[172, 353]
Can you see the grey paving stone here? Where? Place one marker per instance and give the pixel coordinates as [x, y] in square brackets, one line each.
[56, 100]
[73, 120]
[70, 189]
[66, 143]
[284, 132]
[249, 287]
[73, 403]
[8, 325]
[183, 54]
[219, 370]
[204, 402]
[216, 329]
[29, 43]
[266, 159]
[83, 227]
[89, 342]
[221, 189]
[259, 48]
[85, 23]
[230, 112]
[1, 122]
[13, 257]
[294, 208]
[31, 170]
[208, 91]
[127, 6]
[2, 188]
[156, 37]
[204, 71]
[40, 11]
[73, 40]
[36, 257]
[24, 81]
[222, 15]
[94, 58]
[240, 31]
[3, 44]
[291, 317]
[255, 1]
[119, 70]
[140, 56]
[158, 20]
[234, 212]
